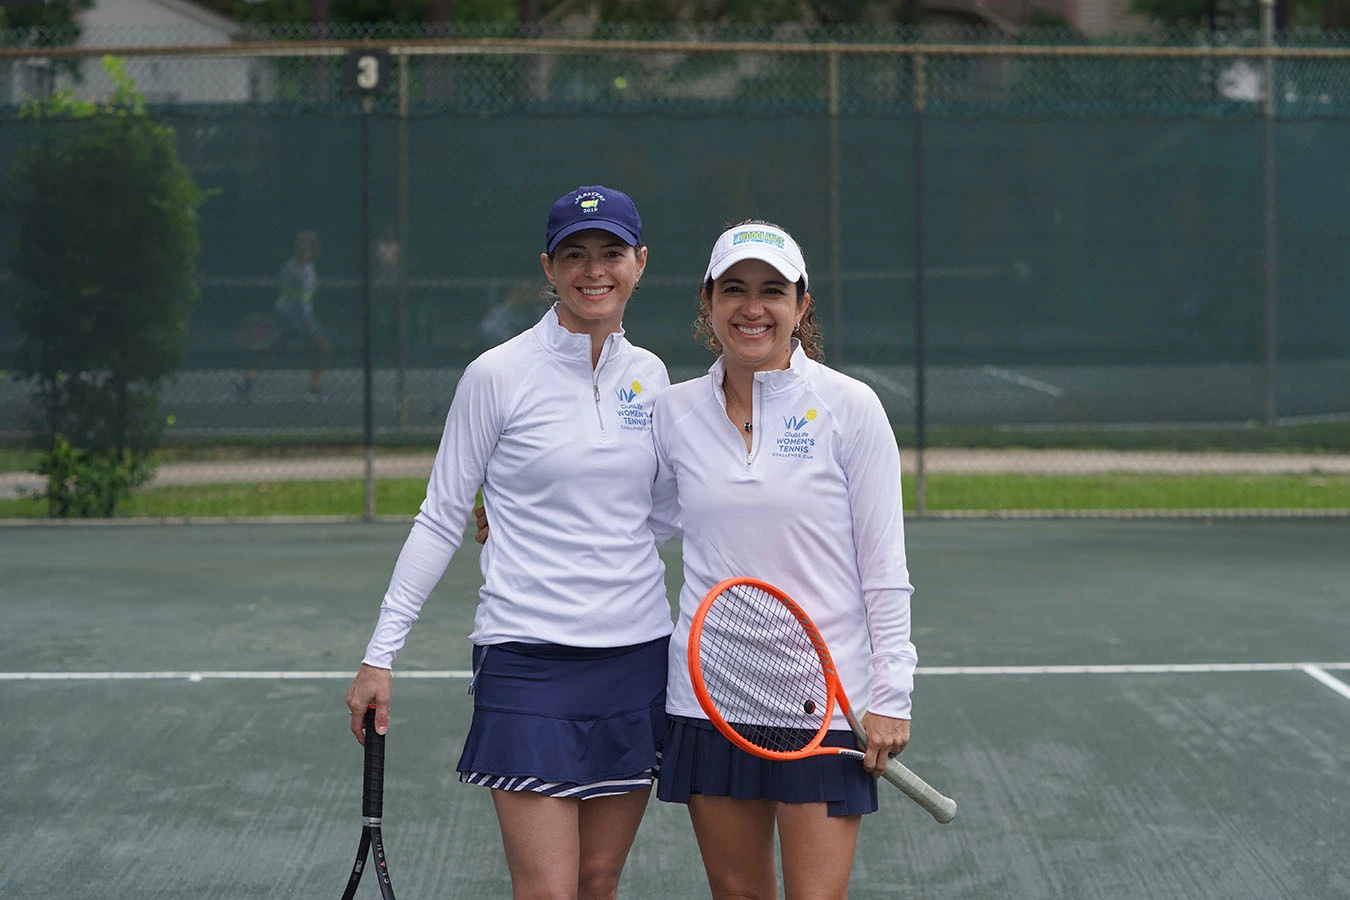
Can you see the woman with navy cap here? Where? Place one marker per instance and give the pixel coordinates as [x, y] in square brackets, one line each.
[572, 624]
[788, 471]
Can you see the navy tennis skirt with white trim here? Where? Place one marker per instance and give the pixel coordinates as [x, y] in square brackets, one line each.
[566, 721]
[698, 760]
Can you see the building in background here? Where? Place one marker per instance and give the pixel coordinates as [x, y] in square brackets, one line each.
[224, 78]
[142, 23]
[129, 23]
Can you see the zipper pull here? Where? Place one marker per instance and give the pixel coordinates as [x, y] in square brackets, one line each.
[597, 391]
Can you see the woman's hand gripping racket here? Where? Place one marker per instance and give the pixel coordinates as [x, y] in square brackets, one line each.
[372, 812]
[762, 673]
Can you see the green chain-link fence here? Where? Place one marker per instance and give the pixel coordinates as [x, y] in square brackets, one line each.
[1033, 242]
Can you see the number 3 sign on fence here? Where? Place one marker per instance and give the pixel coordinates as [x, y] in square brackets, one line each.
[366, 71]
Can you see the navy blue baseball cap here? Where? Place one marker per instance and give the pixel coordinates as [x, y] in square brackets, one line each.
[594, 206]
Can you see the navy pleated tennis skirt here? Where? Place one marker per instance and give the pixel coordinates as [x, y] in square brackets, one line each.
[566, 721]
[698, 760]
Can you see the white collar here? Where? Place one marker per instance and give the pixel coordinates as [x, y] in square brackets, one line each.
[772, 381]
[556, 339]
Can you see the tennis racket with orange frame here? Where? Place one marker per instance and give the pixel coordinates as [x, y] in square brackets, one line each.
[763, 674]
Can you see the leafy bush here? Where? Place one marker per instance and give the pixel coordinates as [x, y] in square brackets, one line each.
[105, 281]
[89, 483]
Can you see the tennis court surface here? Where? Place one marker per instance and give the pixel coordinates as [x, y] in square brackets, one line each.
[1125, 710]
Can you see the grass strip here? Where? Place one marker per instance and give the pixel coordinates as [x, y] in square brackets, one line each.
[945, 492]
[1316, 437]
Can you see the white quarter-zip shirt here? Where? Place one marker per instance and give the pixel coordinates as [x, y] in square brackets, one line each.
[565, 459]
[813, 508]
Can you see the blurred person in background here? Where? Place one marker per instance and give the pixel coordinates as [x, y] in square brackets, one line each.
[293, 312]
[511, 316]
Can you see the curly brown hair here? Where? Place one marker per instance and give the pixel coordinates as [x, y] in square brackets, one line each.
[807, 330]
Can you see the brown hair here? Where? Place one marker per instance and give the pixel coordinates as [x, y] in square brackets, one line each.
[807, 330]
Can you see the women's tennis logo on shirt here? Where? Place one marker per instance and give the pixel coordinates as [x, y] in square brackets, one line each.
[796, 441]
[632, 415]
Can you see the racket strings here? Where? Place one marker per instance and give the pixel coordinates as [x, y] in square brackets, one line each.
[762, 671]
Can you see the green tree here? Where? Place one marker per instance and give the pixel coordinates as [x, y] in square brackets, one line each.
[348, 12]
[55, 18]
[44, 24]
[105, 215]
[732, 12]
[531, 12]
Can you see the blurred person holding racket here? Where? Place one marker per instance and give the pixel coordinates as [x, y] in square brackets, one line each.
[572, 625]
[788, 471]
[293, 315]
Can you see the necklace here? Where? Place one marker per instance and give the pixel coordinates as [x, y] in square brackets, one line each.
[748, 426]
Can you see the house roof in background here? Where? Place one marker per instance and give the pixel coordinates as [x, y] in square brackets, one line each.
[154, 21]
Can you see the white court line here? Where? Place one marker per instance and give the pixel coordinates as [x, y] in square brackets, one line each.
[1025, 381]
[1316, 670]
[1129, 669]
[869, 374]
[1335, 684]
[202, 676]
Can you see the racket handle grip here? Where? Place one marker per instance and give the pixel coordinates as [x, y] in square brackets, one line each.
[921, 792]
[372, 786]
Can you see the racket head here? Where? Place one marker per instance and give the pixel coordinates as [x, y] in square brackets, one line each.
[772, 696]
[354, 880]
[381, 864]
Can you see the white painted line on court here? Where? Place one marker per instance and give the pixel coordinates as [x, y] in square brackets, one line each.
[1025, 381]
[203, 676]
[1128, 669]
[1319, 672]
[867, 373]
[1316, 670]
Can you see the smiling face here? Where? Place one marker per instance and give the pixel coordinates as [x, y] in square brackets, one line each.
[753, 311]
[594, 273]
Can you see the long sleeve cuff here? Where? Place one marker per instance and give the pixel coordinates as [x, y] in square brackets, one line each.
[893, 683]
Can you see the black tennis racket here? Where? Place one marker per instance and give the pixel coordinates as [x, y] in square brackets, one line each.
[372, 812]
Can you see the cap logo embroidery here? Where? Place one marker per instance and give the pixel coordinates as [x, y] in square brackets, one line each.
[759, 237]
[590, 201]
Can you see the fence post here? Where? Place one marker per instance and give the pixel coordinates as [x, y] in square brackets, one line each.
[364, 73]
[837, 317]
[402, 272]
[1270, 350]
[367, 345]
[920, 385]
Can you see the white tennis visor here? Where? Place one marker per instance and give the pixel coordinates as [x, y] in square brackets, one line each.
[763, 242]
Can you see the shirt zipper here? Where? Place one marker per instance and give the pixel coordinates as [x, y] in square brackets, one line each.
[595, 388]
[754, 425]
